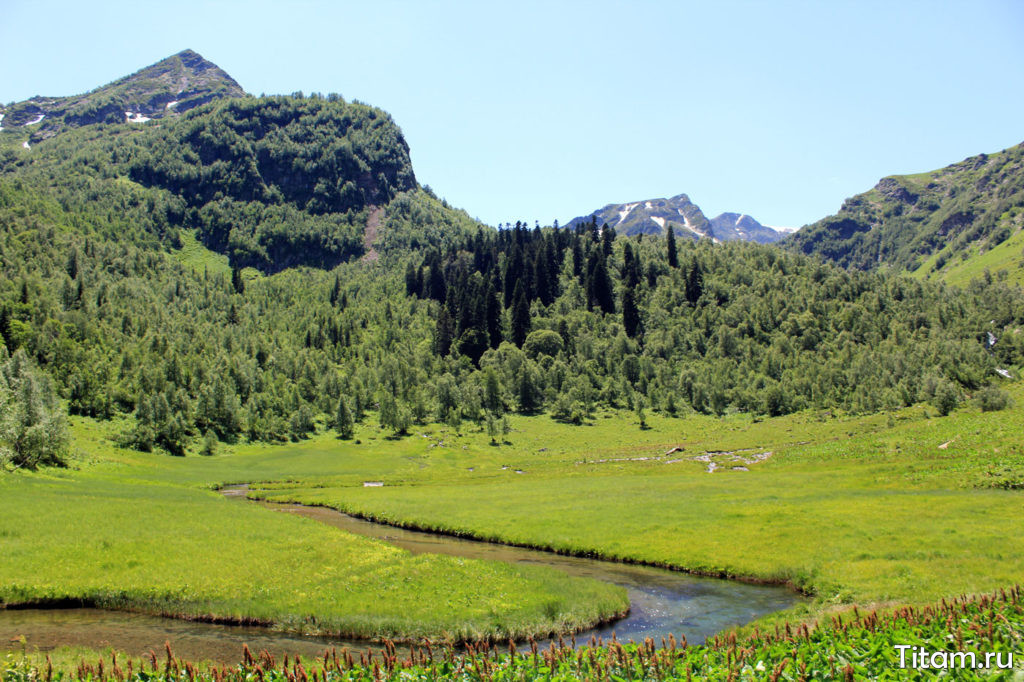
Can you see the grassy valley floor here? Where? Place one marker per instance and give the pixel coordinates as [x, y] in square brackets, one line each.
[900, 508]
[147, 533]
[888, 508]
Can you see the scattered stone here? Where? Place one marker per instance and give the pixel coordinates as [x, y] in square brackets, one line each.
[739, 462]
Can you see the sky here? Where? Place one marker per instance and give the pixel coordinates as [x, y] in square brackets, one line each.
[540, 111]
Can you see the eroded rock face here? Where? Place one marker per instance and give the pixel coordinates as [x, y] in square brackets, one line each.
[892, 189]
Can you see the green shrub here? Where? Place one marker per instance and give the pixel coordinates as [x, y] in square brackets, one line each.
[992, 399]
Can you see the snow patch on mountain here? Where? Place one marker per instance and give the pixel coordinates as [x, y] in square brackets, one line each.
[625, 212]
[659, 221]
[701, 233]
[26, 145]
[37, 120]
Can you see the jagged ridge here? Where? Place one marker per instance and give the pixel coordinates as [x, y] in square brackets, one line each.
[654, 216]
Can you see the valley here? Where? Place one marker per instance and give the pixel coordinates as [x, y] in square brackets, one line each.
[644, 424]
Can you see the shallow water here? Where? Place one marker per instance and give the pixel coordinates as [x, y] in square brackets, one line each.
[661, 602]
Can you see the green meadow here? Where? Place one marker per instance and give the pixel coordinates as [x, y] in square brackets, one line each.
[899, 507]
[893, 508]
[147, 533]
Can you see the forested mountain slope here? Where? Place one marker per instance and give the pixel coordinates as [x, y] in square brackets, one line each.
[934, 224]
[125, 253]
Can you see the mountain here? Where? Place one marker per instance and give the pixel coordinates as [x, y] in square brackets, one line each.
[170, 87]
[273, 182]
[653, 216]
[951, 223]
[735, 226]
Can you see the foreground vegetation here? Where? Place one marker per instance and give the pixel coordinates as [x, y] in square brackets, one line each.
[847, 645]
[119, 534]
[871, 510]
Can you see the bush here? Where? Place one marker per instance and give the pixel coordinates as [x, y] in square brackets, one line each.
[543, 342]
[946, 398]
[992, 399]
[33, 428]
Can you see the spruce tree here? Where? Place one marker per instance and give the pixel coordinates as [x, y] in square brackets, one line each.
[520, 317]
[694, 282]
[599, 284]
[492, 315]
[444, 333]
[343, 422]
[607, 240]
[237, 283]
[630, 313]
[673, 255]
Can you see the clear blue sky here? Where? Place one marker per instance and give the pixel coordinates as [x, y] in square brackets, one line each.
[542, 111]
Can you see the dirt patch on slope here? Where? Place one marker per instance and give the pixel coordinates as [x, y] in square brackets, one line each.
[371, 235]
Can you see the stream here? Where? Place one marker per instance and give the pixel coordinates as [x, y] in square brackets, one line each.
[662, 602]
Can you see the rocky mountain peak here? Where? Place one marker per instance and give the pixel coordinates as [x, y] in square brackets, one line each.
[169, 87]
[654, 216]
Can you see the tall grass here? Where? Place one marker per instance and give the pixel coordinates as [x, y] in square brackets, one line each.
[846, 646]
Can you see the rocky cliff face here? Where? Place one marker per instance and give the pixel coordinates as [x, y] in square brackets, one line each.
[169, 87]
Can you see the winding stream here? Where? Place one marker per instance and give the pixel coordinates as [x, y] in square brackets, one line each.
[661, 602]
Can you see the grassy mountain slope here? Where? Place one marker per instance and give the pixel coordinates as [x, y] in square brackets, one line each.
[950, 223]
[170, 87]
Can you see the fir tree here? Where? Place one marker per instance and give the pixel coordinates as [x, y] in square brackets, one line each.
[343, 422]
[670, 239]
[492, 315]
[237, 283]
[694, 282]
[444, 333]
[630, 313]
[599, 284]
[520, 317]
[607, 240]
